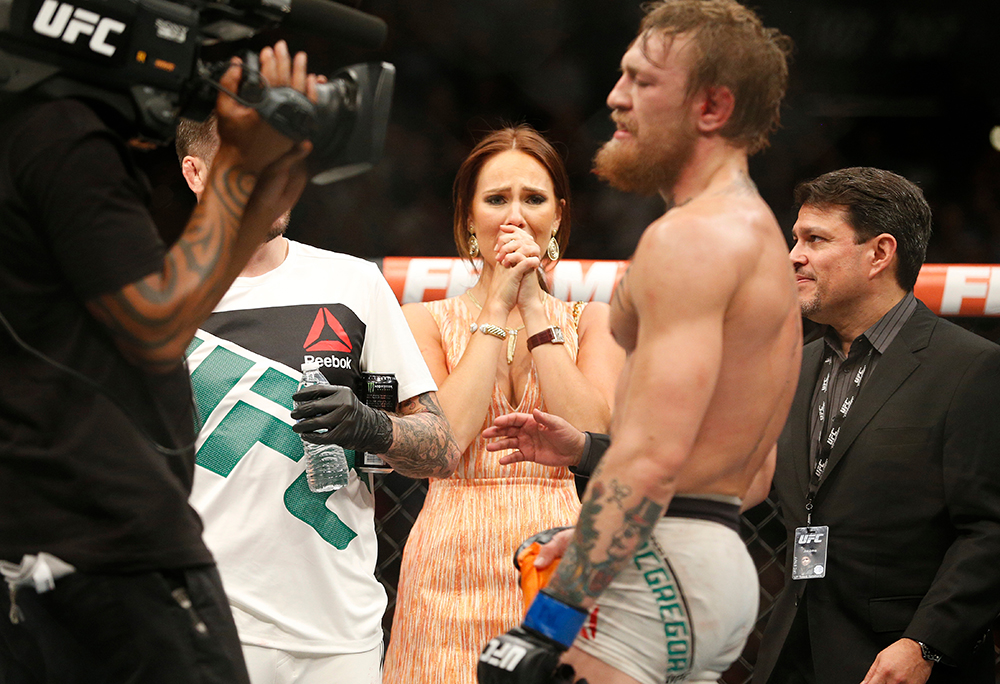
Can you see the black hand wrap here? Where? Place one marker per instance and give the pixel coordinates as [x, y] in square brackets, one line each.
[347, 421]
[529, 654]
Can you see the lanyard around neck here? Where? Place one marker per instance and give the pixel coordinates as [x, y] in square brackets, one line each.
[835, 417]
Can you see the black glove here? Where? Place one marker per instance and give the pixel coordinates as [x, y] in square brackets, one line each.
[543, 538]
[347, 421]
[523, 656]
[529, 654]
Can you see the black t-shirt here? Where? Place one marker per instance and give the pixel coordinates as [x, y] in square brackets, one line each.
[78, 478]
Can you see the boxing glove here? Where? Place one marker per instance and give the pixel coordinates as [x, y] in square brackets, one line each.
[529, 654]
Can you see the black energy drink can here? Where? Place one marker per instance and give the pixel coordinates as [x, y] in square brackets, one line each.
[381, 392]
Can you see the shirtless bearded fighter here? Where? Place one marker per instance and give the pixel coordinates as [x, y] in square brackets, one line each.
[708, 314]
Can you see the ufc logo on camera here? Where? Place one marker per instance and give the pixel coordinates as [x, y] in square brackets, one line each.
[68, 23]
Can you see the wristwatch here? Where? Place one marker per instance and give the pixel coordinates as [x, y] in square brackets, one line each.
[552, 334]
[928, 653]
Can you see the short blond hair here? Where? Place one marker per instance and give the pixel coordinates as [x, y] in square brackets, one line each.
[734, 49]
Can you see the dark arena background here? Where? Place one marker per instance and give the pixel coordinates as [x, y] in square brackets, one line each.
[906, 85]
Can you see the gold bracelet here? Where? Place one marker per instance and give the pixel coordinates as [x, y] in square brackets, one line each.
[490, 329]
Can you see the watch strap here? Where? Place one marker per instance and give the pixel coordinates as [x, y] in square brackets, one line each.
[929, 654]
[551, 335]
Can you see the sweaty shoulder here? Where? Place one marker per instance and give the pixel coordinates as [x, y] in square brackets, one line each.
[720, 257]
[714, 241]
[739, 225]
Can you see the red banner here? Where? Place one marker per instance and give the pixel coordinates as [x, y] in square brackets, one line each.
[947, 289]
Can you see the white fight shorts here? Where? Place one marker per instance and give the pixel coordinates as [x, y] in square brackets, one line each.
[682, 610]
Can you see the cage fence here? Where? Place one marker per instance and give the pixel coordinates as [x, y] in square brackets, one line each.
[398, 501]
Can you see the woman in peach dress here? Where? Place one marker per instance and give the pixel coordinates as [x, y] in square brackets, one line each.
[505, 345]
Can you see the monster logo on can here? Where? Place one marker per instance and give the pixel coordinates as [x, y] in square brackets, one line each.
[381, 392]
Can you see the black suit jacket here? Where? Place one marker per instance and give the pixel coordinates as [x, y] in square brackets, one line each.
[911, 495]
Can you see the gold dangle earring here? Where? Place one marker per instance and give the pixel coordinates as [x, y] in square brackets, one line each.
[473, 245]
[553, 249]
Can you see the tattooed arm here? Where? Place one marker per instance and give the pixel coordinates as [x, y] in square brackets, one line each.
[422, 442]
[669, 318]
[614, 523]
[257, 176]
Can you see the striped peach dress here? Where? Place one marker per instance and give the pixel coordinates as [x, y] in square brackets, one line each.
[458, 586]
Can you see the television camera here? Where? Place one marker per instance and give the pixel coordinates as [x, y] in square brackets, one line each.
[143, 59]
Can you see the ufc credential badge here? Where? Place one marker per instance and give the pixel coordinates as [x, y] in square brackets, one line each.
[809, 552]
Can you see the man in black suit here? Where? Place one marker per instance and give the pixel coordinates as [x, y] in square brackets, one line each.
[888, 471]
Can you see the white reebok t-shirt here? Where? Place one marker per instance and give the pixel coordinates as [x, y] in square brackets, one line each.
[298, 567]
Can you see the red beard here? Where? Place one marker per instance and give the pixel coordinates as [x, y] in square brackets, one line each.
[646, 168]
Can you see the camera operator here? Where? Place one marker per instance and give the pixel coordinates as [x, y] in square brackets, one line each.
[109, 578]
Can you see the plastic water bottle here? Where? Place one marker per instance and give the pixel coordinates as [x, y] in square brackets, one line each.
[326, 464]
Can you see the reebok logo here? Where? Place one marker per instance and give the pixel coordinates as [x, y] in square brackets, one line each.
[329, 361]
[327, 334]
[63, 20]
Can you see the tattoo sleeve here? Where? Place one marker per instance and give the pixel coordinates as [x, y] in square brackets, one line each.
[422, 444]
[614, 524]
[619, 298]
[147, 317]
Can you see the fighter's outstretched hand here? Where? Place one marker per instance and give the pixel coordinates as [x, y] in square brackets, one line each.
[539, 437]
[899, 663]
